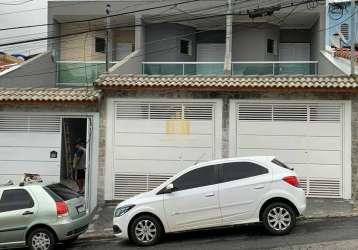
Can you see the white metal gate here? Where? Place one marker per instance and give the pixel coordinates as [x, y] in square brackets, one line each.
[154, 140]
[307, 136]
[26, 143]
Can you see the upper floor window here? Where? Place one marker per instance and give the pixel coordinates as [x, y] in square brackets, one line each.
[100, 44]
[185, 47]
[271, 46]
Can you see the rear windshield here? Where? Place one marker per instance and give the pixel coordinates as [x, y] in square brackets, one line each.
[281, 164]
[60, 191]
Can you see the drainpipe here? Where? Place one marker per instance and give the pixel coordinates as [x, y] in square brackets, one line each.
[353, 37]
[108, 26]
[228, 48]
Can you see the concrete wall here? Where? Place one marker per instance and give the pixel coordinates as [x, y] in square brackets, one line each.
[168, 50]
[243, 47]
[81, 47]
[39, 71]
[226, 97]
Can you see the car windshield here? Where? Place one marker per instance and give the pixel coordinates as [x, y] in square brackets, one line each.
[62, 191]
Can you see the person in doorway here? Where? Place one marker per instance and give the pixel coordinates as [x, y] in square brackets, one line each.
[79, 165]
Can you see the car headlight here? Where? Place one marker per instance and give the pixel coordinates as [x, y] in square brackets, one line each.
[122, 210]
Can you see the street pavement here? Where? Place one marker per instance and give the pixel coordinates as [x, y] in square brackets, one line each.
[330, 233]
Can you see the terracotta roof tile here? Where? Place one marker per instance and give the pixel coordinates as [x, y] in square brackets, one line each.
[49, 95]
[201, 81]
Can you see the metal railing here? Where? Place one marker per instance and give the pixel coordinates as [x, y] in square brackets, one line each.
[238, 68]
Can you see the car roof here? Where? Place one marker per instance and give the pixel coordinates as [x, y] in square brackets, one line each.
[233, 159]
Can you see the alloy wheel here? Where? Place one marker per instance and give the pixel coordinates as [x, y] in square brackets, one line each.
[41, 241]
[279, 218]
[145, 231]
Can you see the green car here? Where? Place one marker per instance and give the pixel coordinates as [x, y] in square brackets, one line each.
[40, 216]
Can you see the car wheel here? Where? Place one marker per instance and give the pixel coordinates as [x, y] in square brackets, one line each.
[41, 239]
[279, 218]
[145, 230]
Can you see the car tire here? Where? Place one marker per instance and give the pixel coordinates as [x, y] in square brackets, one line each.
[41, 239]
[145, 230]
[279, 218]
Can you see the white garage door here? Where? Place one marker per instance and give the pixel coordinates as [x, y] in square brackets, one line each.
[308, 137]
[154, 140]
[26, 142]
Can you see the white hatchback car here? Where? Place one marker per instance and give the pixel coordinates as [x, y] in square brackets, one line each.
[216, 193]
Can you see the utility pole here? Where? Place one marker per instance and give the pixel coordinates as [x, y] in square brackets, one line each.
[228, 48]
[353, 37]
[108, 26]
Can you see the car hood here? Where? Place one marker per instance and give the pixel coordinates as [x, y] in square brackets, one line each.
[133, 200]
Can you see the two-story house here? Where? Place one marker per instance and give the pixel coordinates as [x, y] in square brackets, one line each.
[191, 82]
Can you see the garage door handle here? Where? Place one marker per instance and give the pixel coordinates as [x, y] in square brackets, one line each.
[209, 195]
[259, 187]
[28, 213]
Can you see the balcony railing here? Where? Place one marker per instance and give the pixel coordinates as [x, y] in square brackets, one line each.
[238, 68]
[79, 73]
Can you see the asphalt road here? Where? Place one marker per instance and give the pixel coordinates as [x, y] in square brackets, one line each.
[316, 234]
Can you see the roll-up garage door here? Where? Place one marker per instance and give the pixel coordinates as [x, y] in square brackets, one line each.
[154, 140]
[307, 136]
[26, 143]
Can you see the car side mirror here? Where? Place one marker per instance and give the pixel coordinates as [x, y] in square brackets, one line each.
[169, 188]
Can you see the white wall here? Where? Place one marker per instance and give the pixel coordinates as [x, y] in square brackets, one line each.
[31, 13]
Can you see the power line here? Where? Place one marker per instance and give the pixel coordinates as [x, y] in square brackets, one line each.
[138, 25]
[102, 17]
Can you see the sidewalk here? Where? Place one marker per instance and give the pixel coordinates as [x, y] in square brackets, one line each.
[101, 226]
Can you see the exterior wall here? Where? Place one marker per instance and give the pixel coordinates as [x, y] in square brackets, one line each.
[295, 36]
[23, 14]
[39, 71]
[82, 47]
[211, 36]
[243, 48]
[169, 49]
[226, 97]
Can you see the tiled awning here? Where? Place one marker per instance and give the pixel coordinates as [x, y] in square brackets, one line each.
[200, 82]
[49, 95]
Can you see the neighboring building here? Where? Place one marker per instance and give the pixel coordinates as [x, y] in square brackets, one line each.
[167, 103]
[34, 123]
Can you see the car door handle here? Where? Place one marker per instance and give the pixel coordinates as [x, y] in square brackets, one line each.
[209, 195]
[28, 213]
[259, 187]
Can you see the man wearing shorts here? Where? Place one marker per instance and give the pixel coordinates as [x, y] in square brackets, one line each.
[79, 165]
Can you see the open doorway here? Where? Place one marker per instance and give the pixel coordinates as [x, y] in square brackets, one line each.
[74, 153]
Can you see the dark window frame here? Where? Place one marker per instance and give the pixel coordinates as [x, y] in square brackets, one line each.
[270, 46]
[99, 42]
[221, 171]
[5, 208]
[189, 47]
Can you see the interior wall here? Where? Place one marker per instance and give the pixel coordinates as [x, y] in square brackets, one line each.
[243, 47]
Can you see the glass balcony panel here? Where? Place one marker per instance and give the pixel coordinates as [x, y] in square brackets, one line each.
[204, 69]
[295, 68]
[252, 68]
[79, 73]
[163, 69]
